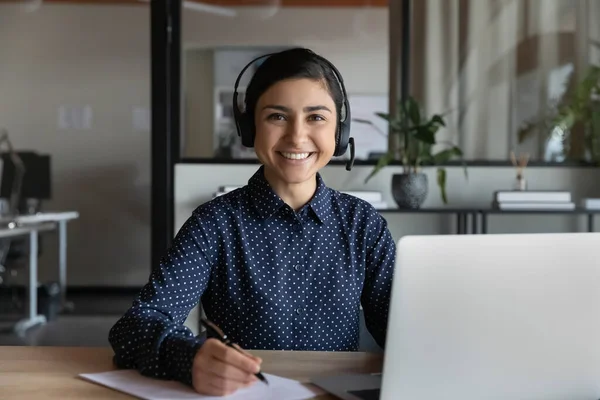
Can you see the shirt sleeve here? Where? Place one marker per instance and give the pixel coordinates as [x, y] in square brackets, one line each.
[150, 337]
[380, 260]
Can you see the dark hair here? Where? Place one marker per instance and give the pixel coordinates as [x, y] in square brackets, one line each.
[290, 64]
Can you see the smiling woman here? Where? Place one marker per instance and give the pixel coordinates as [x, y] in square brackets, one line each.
[284, 262]
[294, 117]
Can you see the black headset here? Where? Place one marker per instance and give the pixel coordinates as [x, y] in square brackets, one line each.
[244, 123]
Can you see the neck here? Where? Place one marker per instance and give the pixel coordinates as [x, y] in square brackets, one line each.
[295, 195]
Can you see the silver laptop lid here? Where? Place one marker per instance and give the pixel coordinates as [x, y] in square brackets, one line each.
[513, 316]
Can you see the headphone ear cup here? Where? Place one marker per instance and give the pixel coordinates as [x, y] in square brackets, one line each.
[343, 133]
[342, 138]
[247, 130]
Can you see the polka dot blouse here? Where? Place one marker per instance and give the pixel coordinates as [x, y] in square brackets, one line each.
[268, 276]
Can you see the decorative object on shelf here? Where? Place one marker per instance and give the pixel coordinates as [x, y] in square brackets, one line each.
[520, 165]
[590, 203]
[580, 110]
[410, 190]
[416, 138]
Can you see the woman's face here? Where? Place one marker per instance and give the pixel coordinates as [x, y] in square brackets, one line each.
[295, 123]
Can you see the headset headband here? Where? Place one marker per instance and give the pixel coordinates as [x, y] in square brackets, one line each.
[343, 131]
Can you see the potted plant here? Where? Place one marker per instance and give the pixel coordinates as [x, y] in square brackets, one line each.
[415, 138]
[581, 109]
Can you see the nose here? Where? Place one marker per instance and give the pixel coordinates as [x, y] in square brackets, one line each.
[297, 131]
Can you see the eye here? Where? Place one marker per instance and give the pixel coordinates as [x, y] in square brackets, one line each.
[316, 117]
[276, 117]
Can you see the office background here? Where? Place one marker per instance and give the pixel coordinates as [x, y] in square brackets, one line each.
[78, 79]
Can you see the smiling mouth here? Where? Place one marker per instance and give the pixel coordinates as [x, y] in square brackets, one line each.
[295, 156]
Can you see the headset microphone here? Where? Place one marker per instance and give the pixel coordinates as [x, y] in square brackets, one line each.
[350, 162]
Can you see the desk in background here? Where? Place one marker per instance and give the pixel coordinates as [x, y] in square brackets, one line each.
[33, 318]
[462, 215]
[589, 213]
[21, 225]
[479, 216]
[51, 372]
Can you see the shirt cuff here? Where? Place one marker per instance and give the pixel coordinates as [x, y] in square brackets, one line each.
[178, 353]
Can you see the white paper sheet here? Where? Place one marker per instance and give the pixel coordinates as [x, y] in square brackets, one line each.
[135, 384]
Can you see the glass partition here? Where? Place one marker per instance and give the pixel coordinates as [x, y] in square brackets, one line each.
[220, 37]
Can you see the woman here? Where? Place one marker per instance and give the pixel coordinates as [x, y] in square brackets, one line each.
[284, 262]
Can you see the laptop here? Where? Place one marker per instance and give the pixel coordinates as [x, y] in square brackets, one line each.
[495, 317]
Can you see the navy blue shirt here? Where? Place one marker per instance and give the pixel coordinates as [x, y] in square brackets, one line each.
[268, 276]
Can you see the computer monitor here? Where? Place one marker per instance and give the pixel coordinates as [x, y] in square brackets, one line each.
[37, 182]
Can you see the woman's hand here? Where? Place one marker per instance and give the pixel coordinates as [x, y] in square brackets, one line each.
[219, 370]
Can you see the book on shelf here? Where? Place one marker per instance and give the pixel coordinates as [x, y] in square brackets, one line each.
[530, 205]
[590, 203]
[532, 196]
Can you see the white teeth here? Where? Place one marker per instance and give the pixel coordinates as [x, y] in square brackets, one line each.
[295, 156]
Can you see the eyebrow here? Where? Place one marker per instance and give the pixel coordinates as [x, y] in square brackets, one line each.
[306, 109]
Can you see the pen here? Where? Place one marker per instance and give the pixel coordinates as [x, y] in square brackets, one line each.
[214, 330]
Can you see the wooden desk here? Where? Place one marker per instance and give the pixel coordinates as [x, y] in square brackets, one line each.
[51, 372]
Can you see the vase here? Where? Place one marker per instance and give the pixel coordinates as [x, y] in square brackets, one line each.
[410, 190]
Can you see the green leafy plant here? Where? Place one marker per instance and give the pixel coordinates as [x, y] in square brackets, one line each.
[582, 107]
[415, 135]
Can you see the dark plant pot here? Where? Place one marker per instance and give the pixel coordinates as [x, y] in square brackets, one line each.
[410, 190]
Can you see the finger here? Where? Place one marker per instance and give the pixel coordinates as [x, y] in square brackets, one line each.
[216, 343]
[226, 371]
[233, 357]
[246, 352]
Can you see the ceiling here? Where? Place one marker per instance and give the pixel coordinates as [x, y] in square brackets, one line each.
[237, 3]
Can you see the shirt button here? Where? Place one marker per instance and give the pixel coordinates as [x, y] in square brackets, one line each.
[298, 310]
[298, 267]
[296, 228]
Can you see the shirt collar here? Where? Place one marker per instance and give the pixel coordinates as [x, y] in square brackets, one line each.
[267, 202]
[320, 204]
